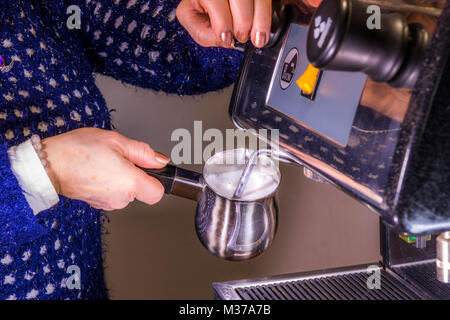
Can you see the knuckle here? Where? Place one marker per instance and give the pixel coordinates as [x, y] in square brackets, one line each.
[110, 136]
[130, 188]
[145, 147]
[143, 150]
[113, 135]
[130, 196]
[199, 37]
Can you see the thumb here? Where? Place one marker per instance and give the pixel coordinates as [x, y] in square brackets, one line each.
[148, 189]
[141, 154]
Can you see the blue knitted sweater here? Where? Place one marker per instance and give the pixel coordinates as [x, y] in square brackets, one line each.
[50, 90]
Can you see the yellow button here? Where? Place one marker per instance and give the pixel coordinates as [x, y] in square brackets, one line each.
[308, 79]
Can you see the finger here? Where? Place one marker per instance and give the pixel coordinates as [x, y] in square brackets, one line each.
[302, 3]
[100, 206]
[148, 189]
[140, 153]
[196, 24]
[221, 21]
[313, 3]
[242, 14]
[261, 22]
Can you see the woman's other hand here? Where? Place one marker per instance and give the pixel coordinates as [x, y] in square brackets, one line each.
[213, 23]
[99, 167]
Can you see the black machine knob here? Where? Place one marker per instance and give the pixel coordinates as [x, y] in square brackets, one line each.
[279, 21]
[339, 39]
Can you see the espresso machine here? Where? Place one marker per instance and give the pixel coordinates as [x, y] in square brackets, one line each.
[361, 102]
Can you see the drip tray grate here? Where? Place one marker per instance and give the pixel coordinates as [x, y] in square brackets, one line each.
[423, 275]
[338, 284]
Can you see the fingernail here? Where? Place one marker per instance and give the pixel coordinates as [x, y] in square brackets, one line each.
[260, 39]
[161, 158]
[242, 37]
[226, 38]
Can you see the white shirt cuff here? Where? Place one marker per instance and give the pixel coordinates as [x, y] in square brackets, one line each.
[33, 179]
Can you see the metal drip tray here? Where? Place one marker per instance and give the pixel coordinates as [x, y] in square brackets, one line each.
[423, 275]
[338, 284]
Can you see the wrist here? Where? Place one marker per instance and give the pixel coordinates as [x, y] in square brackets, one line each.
[28, 167]
[48, 164]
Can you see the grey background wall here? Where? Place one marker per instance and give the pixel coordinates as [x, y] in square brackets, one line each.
[153, 253]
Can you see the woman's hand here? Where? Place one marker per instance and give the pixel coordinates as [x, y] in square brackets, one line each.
[98, 167]
[213, 23]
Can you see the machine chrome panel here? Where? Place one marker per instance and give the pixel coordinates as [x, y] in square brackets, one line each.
[371, 166]
[361, 167]
[337, 95]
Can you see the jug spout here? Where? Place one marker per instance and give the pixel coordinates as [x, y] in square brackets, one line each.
[179, 182]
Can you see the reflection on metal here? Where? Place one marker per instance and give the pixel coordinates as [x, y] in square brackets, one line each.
[230, 229]
[443, 257]
[421, 242]
[235, 230]
[422, 275]
[313, 176]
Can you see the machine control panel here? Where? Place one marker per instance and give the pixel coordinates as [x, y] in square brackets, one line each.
[322, 101]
